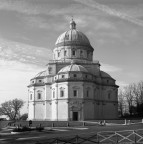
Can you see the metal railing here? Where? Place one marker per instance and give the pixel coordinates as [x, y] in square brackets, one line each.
[105, 137]
[120, 137]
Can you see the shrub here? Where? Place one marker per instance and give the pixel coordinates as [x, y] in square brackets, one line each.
[24, 128]
[39, 128]
[17, 130]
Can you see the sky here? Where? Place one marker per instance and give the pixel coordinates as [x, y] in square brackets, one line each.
[29, 29]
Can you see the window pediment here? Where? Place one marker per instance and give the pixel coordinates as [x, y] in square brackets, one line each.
[39, 91]
[76, 87]
[62, 88]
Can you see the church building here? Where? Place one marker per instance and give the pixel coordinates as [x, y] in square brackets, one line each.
[72, 88]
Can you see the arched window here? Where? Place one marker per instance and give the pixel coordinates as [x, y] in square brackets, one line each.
[39, 95]
[62, 93]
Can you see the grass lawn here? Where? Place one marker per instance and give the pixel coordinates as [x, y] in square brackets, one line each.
[35, 136]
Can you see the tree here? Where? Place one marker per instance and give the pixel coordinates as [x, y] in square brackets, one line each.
[138, 91]
[11, 108]
[121, 102]
[128, 93]
[24, 116]
[131, 97]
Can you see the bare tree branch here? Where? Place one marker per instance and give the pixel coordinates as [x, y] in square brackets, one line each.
[11, 108]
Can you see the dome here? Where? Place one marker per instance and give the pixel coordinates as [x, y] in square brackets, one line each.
[73, 67]
[72, 37]
[41, 74]
[105, 75]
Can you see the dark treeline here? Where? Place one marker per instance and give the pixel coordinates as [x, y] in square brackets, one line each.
[130, 100]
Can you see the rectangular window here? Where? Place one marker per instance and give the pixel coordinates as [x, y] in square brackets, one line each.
[87, 93]
[62, 93]
[30, 96]
[58, 54]
[63, 76]
[39, 95]
[81, 53]
[73, 52]
[95, 93]
[65, 53]
[53, 94]
[75, 93]
[109, 95]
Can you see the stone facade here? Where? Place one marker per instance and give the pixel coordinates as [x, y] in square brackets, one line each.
[72, 87]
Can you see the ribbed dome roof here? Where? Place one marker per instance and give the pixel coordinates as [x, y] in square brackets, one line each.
[104, 74]
[72, 36]
[41, 74]
[73, 67]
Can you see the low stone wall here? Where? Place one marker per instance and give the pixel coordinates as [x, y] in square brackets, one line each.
[65, 123]
[49, 123]
[4, 124]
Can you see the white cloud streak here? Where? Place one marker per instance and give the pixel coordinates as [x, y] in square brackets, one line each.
[110, 68]
[19, 6]
[111, 11]
[122, 84]
[14, 51]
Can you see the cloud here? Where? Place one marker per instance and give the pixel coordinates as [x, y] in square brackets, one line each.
[33, 7]
[36, 21]
[110, 68]
[38, 14]
[18, 6]
[132, 75]
[102, 24]
[111, 11]
[121, 84]
[14, 51]
[18, 66]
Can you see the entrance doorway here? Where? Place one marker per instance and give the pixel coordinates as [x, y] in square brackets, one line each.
[75, 116]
